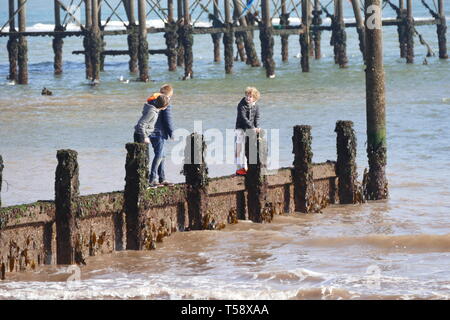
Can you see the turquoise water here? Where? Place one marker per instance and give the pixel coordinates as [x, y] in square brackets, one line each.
[407, 237]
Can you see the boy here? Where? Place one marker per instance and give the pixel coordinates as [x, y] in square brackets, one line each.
[247, 119]
[163, 131]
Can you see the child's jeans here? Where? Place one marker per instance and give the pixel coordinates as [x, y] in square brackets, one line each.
[158, 161]
[241, 159]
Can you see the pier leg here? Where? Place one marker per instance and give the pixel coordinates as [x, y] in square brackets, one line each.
[58, 41]
[317, 34]
[12, 45]
[401, 27]
[284, 21]
[180, 48]
[409, 33]
[239, 37]
[68, 244]
[133, 36]
[95, 44]
[102, 36]
[304, 37]
[87, 39]
[216, 36]
[250, 51]
[171, 38]
[346, 162]
[441, 31]
[22, 52]
[340, 36]
[359, 26]
[188, 41]
[136, 181]
[143, 44]
[256, 183]
[302, 171]
[266, 38]
[196, 172]
[376, 187]
[228, 39]
[1, 178]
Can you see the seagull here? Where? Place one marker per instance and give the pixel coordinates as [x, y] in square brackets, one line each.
[121, 79]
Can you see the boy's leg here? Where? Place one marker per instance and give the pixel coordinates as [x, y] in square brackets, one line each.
[240, 149]
[157, 149]
[161, 171]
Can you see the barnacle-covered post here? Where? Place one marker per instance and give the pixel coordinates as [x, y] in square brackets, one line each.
[12, 45]
[188, 41]
[136, 181]
[266, 38]
[409, 29]
[256, 183]
[68, 246]
[171, 36]
[216, 36]
[58, 40]
[143, 44]
[441, 31]
[317, 34]
[195, 170]
[376, 187]
[228, 38]
[133, 35]
[302, 171]
[346, 162]
[340, 36]
[284, 22]
[304, 37]
[359, 25]
[250, 51]
[22, 52]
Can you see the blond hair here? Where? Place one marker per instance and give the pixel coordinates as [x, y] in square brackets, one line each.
[253, 92]
[166, 89]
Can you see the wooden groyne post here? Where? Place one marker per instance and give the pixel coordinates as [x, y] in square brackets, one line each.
[376, 186]
[58, 41]
[228, 38]
[188, 41]
[12, 45]
[133, 35]
[22, 52]
[68, 246]
[143, 44]
[136, 182]
[441, 31]
[256, 183]
[317, 33]
[346, 169]
[171, 36]
[302, 171]
[305, 36]
[195, 170]
[266, 38]
[359, 26]
[1, 178]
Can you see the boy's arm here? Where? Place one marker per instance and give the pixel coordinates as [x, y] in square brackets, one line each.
[243, 117]
[257, 117]
[147, 117]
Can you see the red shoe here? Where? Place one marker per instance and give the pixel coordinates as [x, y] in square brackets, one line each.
[241, 172]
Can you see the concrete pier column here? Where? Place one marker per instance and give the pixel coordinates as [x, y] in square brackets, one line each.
[67, 186]
[195, 170]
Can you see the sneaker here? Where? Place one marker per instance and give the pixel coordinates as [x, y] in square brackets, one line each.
[241, 172]
[166, 183]
[153, 185]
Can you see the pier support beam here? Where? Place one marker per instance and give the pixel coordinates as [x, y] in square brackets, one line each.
[87, 39]
[216, 36]
[376, 187]
[256, 178]
[196, 172]
[68, 244]
[317, 34]
[133, 36]
[441, 31]
[228, 39]
[305, 37]
[267, 42]
[346, 162]
[58, 41]
[143, 44]
[359, 26]
[22, 48]
[1, 178]
[136, 181]
[12, 45]
[284, 22]
[409, 29]
[239, 36]
[250, 51]
[188, 41]
[95, 44]
[339, 36]
[180, 48]
[302, 171]
[171, 38]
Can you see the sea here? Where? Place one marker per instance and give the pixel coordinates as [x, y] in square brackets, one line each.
[393, 249]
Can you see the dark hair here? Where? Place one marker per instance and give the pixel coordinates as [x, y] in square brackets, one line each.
[162, 101]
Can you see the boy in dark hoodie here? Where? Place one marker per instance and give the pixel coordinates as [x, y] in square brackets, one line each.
[247, 119]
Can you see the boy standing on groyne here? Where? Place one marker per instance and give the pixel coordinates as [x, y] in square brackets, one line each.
[247, 119]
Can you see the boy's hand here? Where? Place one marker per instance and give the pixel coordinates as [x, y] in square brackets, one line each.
[147, 140]
[258, 130]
